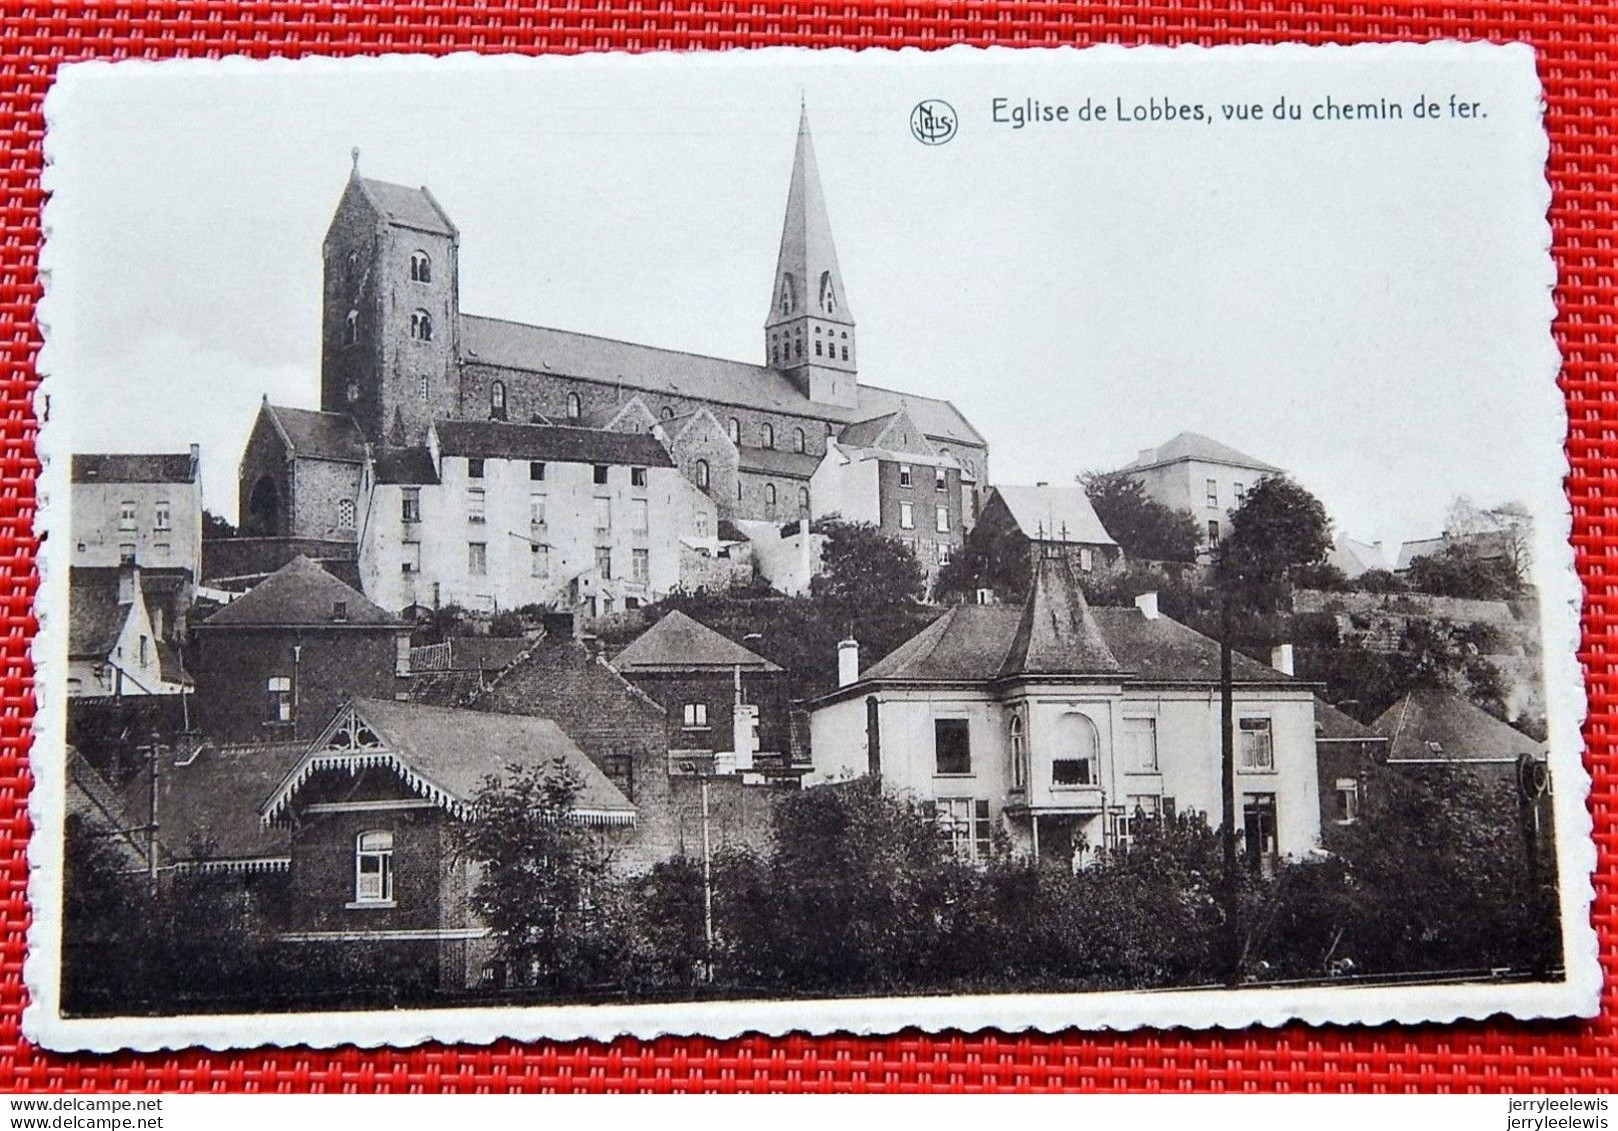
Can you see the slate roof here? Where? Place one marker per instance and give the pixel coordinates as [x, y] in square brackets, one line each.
[981, 643]
[1194, 446]
[773, 461]
[411, 207]
[1332, 725]
[1487, 543]
[1354, 557]
[319, 435]
[1055, 514]
[410, 466]
[302, 594]
[1057, 632]
[454, 751]
[679, 643]
[208, 808]
[1430, 725]
[550, 443]
[94, 616]
[807, 249]
[540, 349]
[122, 468]
[866, 433]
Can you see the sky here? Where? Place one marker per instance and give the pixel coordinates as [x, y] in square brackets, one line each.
[1363, 303]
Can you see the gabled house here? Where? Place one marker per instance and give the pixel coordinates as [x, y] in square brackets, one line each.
[276, 662]
[1356, 558]
[1064, 726]
[725, 704]
[1022, 524]
[114, 647]
[300, 475]
[1346, 753]
[145, 509]
[370, 808]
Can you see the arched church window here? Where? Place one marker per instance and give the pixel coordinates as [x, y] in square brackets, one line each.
[421, 267]
[789, 296]
[734, 430]
[769, 494]
[497, 401]
[828, 293]
[798, 441]
[574, 408]
[667, 413]
[817, 347]
[345, 514]
[769, 435]
[845, 353]
[797, 347]
[421, 326]
[702, 474]
[1019, 754]
[351, 328]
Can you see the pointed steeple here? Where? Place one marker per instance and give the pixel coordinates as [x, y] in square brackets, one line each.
[809, 332]
[1057, 634]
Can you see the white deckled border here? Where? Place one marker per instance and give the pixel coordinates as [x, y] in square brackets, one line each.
[1225, 1009]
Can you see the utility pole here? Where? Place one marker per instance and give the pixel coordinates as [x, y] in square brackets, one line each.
[1227, 787]
[707, 887]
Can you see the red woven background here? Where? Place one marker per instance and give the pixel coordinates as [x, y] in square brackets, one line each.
[1577, 56]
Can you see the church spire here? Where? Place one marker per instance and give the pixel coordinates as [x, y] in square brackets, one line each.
[810, 329]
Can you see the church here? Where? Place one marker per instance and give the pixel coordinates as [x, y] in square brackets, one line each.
[611, 462]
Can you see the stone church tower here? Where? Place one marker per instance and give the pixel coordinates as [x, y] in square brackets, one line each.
[390, 312]
[809, 334]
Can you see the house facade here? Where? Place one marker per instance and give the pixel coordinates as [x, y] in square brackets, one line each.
[1043, 522]
[145, 509]
[1201, 476]
[115, 645]
[1063, 726]
[273, 665]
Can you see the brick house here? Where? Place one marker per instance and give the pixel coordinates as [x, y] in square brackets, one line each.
[722, 701]
[370, 808]
[277, 662]
[1345, 753]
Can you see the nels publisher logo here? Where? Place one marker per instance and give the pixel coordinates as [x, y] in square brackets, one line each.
[933, 122]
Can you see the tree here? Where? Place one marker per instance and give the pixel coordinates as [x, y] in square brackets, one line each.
[216, 526]
[1278, 528]
[998, 561]
[863, 569]
[1461, 569]
[545, 886]
[1142, 526]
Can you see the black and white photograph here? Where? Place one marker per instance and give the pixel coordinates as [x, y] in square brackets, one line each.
[802, 542]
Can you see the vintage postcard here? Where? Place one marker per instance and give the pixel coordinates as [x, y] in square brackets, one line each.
[802, 541]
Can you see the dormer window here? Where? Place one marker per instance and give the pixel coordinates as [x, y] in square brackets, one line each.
[828, 293]
[574, 408]
[497, 401]
[789, 296]
[351, 328]
[421, 267]
[421, 326]
[339, 610]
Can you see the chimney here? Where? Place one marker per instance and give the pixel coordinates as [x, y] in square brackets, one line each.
[1281, 659]
[1147, 604]
[848, 662]
[1042, 483]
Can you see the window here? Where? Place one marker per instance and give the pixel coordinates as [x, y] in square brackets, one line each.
[411, 562]
[1213, 492]
[702, 474]
[695, 716]
[952, 746]
[1019, 753]
[574, 408]
[789, 296]
[423, 387]
[1077, 746]
[620, 771]
[539, 560]
[477, 558]
[603, 508]
[1213, 532]
[637, 477]
[598, 475]
[1257, 746]
[1348, 800]
[964, 822]
[1241, 494]
[769, 494]
[907, 516]
[474, 469]
[845, 353]
[373, 867]
[667, 413]
[421, 268]
[940, 479]
[476, 498]
[1140, 746]
[351, 328]
[817, 347]
[1087, 559]
[163, 518]
[1258, 827]
[641, 567]
[738, 490]
[803, 500]
[828, 293]
[604, 562]
[126, 515]
[497, 401]
[904, 475]
[639, 516]
[941, 520]
[126, 553]
[410, 504]
[769, 435]
[943, 553]
[279, 691]
[1139, 809]
[421, 326]
[345, 514]
[799, 442]
[145, 651]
